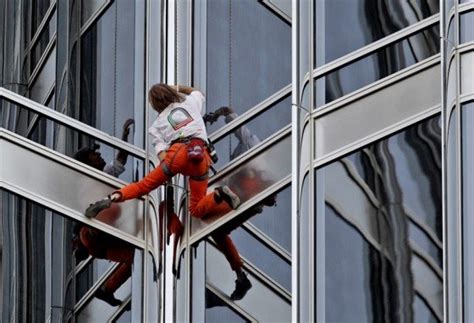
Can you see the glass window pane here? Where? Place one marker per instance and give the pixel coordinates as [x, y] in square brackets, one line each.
[109, 161]
[254, 176]
[40, 7]
[218, 311]
[261, 41]
[466, 27]
[275, 221]
[38, 262]
[467, 120]
[252, 132]
[367, 21]
[112, 71]
[43, 40]
[260, 302]
[383, 228]
[89, 7]
[378, 65]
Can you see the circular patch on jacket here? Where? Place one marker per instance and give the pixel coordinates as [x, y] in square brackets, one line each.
[179, 117]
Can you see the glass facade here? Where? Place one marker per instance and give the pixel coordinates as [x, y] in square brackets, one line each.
[344, 130]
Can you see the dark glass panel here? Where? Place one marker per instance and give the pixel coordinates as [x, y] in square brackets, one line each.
[43, 41]
[218, 311]
[378, 65]
[39, 252]
[383, 228]
[260, 57]
[112, 71]
[90, 7]
[352, 24]
[39, 9]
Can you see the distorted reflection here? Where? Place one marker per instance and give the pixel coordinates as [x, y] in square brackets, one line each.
[110, 63]
[343, 26]
[248, 181]
[384, 62]
[383, 229]
[246, 42]
[42, 279]
[218, 311]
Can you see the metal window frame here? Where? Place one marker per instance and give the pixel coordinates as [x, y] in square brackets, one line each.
[251, 114]
[240, 311]
[42, 60]
[276, 10]
[39, 30]
[71, 123]
[196, 237]
[375, 46]
[263, 277]
[84, 27]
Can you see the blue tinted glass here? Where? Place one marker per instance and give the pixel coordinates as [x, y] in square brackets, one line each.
[383, 229]
[352, 24]
[467, 27]
[379, 65]
[259, 60]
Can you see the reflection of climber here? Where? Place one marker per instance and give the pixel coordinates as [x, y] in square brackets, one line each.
[180, 141]
[91, 241]
[246, 183]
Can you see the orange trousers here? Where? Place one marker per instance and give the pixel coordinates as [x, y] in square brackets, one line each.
[176, 161]
[104, 246]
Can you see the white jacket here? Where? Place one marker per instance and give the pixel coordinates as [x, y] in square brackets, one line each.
[179, 120]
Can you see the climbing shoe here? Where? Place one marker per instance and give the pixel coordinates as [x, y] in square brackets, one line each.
[242, 286]
[227, 195]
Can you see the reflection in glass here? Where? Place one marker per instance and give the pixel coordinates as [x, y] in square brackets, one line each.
[383, 229]
[111, 71]
[367, 21]
[38, 261]
[218, 311]
[90, 7]
[259, 129]
[52, 136]
[39, 9]
[261, 41]
[378, 65]
[256, 175]
[275, 221]
[263, 258]
[43, 41]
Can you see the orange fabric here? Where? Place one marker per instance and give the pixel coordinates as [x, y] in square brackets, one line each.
[227, 247]
[104, 246]
[124, 270]
[177, 161]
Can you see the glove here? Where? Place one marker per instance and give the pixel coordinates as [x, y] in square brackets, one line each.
[95, 208]
[210, 117]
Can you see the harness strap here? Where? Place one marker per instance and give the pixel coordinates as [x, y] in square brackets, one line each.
[166, 170]
[201, 177]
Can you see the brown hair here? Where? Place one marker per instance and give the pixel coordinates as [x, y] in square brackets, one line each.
[162, 95]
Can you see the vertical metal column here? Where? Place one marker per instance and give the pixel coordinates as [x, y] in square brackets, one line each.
[295, 169]
[146, 215]
[459, 235]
